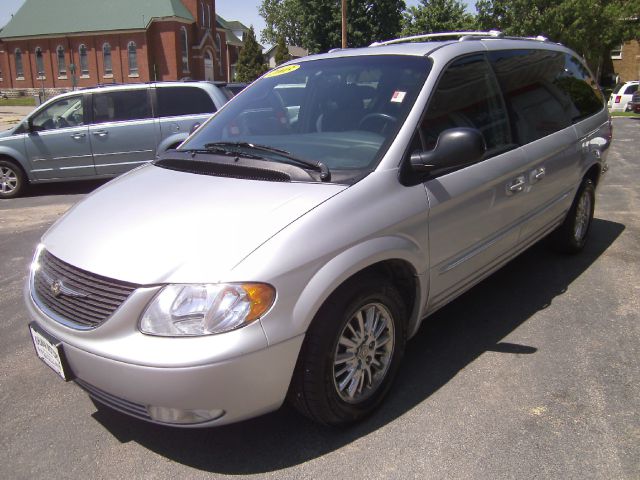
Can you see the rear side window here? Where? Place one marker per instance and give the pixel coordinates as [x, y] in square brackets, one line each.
[121, 105]
[176, 101]
[545, 91]
[468, 96]
[631, 89]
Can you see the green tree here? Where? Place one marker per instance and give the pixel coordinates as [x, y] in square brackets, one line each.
[437, 16]
[316, 24]
[371, 21]
[250, 61]
[282, 18]
[590, 27]
[282, 51]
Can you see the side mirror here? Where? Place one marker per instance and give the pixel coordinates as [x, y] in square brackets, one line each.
[30, 126]
[455, 148]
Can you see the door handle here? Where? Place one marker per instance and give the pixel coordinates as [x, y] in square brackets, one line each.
[78, 136]
[100, 133]
[516, 186]
[537, 174]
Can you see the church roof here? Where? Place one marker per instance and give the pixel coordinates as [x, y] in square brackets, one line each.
[53, 17]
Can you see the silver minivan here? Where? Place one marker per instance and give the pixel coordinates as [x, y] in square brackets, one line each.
[102, 132]
[289, 248]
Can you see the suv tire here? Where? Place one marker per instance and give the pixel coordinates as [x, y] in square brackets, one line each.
[12, 179]
[351, 353]
[571, 236]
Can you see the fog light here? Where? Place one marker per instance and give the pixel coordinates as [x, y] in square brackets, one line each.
[181, 416]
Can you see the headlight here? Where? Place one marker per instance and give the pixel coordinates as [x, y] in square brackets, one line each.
[190, 310]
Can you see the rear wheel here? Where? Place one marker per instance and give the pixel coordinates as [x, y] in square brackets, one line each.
[12, 181]
[571, 236]
[351, 353]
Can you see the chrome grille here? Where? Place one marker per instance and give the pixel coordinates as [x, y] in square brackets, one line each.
[81, 299]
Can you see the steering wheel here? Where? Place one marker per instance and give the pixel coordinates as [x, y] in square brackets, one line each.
[377, 119]
[60, 122]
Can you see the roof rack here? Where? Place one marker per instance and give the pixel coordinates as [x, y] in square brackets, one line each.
[462, 36]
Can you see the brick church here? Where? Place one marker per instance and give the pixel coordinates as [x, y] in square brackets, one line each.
[61, 44]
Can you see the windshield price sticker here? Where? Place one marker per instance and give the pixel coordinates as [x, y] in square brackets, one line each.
[282, 71]
[398, 96]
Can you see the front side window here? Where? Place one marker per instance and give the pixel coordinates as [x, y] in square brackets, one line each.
[343, 112]
[19, 66]
[39, 62]
[176, 101]
[184, 44]
[62, 64]
[133, 58]
[121, 106]
[84, 61]
[64, 113]
[468, 96]
[106, 59]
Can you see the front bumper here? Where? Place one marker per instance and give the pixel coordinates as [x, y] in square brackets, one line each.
[237, 373]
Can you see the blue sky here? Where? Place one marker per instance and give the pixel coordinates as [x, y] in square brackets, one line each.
[244, 10]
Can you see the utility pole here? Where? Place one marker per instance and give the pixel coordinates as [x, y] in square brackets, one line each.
[344, 23]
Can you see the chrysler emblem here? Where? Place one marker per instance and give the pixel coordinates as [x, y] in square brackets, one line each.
[56, 288]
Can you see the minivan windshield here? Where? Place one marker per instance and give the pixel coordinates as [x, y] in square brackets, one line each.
[342, 112]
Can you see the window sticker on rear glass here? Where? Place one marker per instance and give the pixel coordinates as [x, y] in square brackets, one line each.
[398, 96]
[282, 71]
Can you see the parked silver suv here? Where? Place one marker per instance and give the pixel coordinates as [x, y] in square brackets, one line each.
[289, 249]
[101, 132]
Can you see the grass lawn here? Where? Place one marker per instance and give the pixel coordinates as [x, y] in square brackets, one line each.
[625, 114]
[17, 102]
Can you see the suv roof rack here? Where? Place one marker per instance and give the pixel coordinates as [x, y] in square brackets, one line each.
[462, 36]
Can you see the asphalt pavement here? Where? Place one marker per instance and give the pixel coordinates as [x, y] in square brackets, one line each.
[534, 373]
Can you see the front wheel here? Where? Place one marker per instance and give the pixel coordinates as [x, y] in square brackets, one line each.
[571, 236]
[12, 181]
[351, 353]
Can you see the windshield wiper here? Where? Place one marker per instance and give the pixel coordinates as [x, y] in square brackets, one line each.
[325, 174]
[223, 150]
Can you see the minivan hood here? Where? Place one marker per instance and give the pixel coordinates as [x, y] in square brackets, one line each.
[155, 226]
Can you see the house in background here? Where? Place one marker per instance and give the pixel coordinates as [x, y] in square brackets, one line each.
[61, 44]
[229, 40]
[294, 52]
[626, 61]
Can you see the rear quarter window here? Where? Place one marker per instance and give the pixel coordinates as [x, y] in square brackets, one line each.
[579, 85]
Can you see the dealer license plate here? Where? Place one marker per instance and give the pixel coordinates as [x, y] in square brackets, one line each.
[49, 350]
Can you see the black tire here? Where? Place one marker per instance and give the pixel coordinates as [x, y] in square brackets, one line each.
[314, 390]
[571, 236]
[12, 179]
